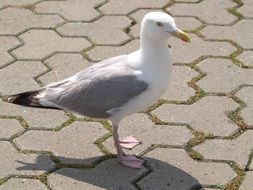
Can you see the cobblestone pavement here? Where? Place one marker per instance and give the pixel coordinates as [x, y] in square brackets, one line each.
[199, 135]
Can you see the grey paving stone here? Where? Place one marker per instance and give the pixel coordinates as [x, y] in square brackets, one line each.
[207, 115]
[19, 76]
[63, 65]
[16, 20]
[197, 48]
[35, 117]
[173, 169]
[216, 14]
[178, 88]
[5, 3]
[108, 30]
[184, 23]
[99, 53]
[23, 184]
[247, 58]
[14, 163]
[237, 149]
[7, 43]
[73, 144]
[247, 183]
[251, 165]
[246, 95]
[223, 76]
[246, 9]
[231, 32]
[107, 175]
[9, 127]
[41, 43]
[126, 6]
[141, 127]
[72, 10]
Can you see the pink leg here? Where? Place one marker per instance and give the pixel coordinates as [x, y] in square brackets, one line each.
[129, 142]
[126, 160]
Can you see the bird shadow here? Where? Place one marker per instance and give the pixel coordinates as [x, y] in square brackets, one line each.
[109, 174]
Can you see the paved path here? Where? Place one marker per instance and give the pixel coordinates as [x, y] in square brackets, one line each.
[198, 134]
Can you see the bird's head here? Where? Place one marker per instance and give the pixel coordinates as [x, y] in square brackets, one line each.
[159, 26]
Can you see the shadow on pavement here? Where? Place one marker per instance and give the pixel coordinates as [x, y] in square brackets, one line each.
[108, 174]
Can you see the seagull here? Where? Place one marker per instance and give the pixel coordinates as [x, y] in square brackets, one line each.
[116, 87]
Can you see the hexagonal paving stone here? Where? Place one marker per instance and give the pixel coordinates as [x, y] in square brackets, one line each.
[246, 9]
[247, 58]
[237, 149]
[7, 43]
[247, 183]
[197, 48]
[246, 95]
[223, 76]
[23, 184]
[63, 65]
[99, 53]
[141, 127]
[72, 10]
[73, 144]
[16, 20]
[207, 115]
[178, 88]
[107, 175]
[14, 163]
[216, 14]
[107, 30]
[5, 3]
[41, 43]
[126, 6]
[174, 169]
[9, 127]
[184, 23]
[35, 117]
[19, 76]
[235, 32]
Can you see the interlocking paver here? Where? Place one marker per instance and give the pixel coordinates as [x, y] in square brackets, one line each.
[184, 23]
[217, 11]
[5, 3]
[237, 149]
[179, 171]
[7, 43]
[16, 20]
[126, 6]
[23, 184]
[72, 10]
[107, 175]
[246, 95]
[246, 58]
[63, 65]
[11, 162]
[223, 75]
[42, 43]
[141, 127]
[178, 88]
[207, 115]
[68, 144]
[247, 182]
[243, 27]
[200, 47]
[18, 76]
[246, 9]
[107, 30]
[36, 118]
[9, 127]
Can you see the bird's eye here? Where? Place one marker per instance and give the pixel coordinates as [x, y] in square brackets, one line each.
[159, 24]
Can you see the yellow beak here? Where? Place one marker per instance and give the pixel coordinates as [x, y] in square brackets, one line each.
[181, 35]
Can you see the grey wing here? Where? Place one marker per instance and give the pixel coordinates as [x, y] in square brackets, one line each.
[95, 92]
